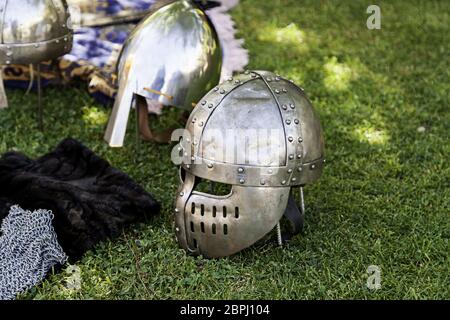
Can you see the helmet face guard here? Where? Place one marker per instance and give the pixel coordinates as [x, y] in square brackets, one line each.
[220, 146]
[218, 226]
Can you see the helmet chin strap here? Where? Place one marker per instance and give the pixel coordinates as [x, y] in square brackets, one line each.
[295, 216]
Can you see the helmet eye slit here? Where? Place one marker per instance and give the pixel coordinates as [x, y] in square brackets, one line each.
[213, 188]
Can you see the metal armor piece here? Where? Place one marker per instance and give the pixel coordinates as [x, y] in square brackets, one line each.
[172, 57]
[258, 133]
[33, 31]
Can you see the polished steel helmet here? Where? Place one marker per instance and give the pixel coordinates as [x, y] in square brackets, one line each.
[33, 31]
[258, 133]
[172, 57]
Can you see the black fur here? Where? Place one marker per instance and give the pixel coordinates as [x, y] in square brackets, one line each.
[91, 200]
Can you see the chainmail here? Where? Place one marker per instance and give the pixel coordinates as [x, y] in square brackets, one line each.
[28, 250]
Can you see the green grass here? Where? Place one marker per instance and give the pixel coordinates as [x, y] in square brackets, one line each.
[384, 198]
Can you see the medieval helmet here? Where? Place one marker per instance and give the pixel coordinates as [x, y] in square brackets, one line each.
[258, 133]
[33, 31]
[172, 57]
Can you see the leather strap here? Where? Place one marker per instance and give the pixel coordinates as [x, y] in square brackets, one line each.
[295, 217]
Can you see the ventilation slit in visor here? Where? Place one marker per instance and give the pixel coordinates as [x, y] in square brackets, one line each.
[193, 208]
[213, 228]
[202, 227]
[236, 212]
[225, 229]
[224, 212]
[214, 212]
[202, 210]
[192, 226]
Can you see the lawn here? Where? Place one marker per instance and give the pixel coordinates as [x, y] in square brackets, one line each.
[384, 197]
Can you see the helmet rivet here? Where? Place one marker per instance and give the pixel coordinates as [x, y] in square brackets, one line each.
[241, 170]
[269, 79]
[300, 140]
[313, 166]
[253, 75]
[181, 194]
[185, 154]
[177, 229]
[324, 160]
[299, 156]
[193, 158]
[193, 121]
[294, 179]
[194, 143]
[216, 89]
[296, 121]
[277, 91]
[203, 102]
[237, 81]
[210, 105]
[263, 182]
[277, 79]
[290, 171]
[210, 165]
[288, 121]
[292, 106]
[270, 171]
[283, 182]
[300, 169]
[291, 157]
[8, 62]
[188, 166]
[247, 72]
[284, 90]
[200, 124]
[222, 91]
[230, 79]
[180, 148]
[290, 139]
[284, 107]
[242, 181]
[176, 210]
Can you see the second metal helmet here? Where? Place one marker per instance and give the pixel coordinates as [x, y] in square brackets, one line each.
[259, 134]
[33, 31]
[172, 57]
